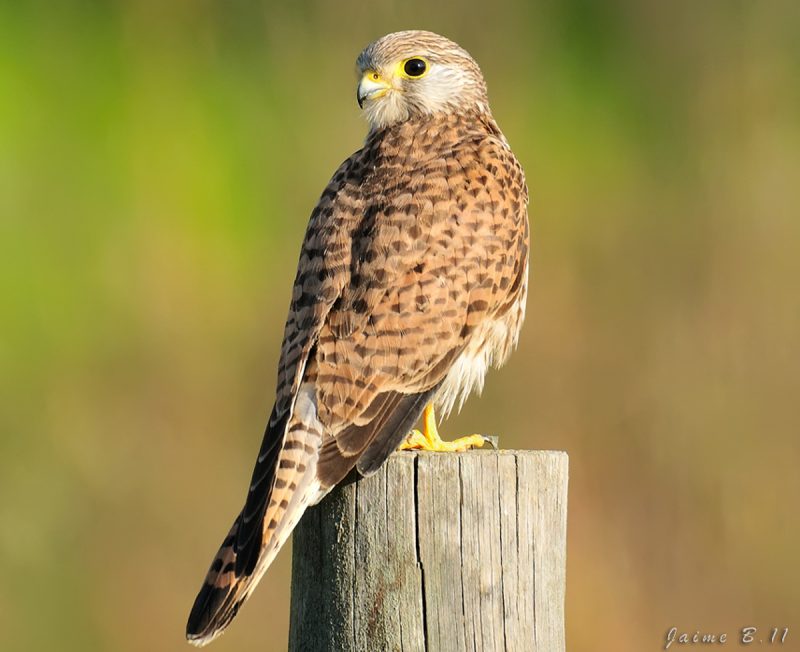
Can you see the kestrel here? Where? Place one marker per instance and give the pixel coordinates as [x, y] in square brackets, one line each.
[411, 282]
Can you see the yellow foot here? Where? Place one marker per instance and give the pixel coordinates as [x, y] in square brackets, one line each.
[428, 438]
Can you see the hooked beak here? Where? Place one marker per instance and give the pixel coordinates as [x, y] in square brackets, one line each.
[371, 87]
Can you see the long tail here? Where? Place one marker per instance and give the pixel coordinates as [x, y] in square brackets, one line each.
[284, 484]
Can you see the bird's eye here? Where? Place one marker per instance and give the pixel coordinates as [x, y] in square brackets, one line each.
[415, 67]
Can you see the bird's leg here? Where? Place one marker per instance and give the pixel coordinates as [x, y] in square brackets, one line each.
[428, 438]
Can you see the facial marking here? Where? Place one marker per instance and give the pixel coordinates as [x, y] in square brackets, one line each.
[410, 74]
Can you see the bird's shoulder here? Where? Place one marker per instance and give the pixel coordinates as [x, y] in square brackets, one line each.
[401, 216]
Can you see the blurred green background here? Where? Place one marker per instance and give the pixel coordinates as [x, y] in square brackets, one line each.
[158, 163]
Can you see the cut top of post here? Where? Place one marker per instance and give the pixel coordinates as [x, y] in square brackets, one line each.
[437, 551]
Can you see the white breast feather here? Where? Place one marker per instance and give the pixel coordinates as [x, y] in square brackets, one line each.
[490, 345]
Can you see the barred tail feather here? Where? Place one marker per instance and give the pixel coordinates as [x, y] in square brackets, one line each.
[284, 484]
[224, 592]
[214, 607]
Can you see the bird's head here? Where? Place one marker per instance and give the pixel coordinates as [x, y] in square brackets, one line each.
[415, 73]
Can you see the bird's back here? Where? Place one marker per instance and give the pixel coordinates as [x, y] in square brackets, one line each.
[411, 280]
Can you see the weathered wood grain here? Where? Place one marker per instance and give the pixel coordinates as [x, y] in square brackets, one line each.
[436, 552]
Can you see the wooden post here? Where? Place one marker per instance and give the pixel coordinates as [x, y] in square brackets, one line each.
[436, 551]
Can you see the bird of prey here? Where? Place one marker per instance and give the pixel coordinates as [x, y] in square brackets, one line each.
[411, 282]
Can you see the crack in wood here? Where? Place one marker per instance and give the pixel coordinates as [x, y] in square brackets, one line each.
[439, 552]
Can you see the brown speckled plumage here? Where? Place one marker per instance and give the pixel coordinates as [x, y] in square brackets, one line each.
[411, 281]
